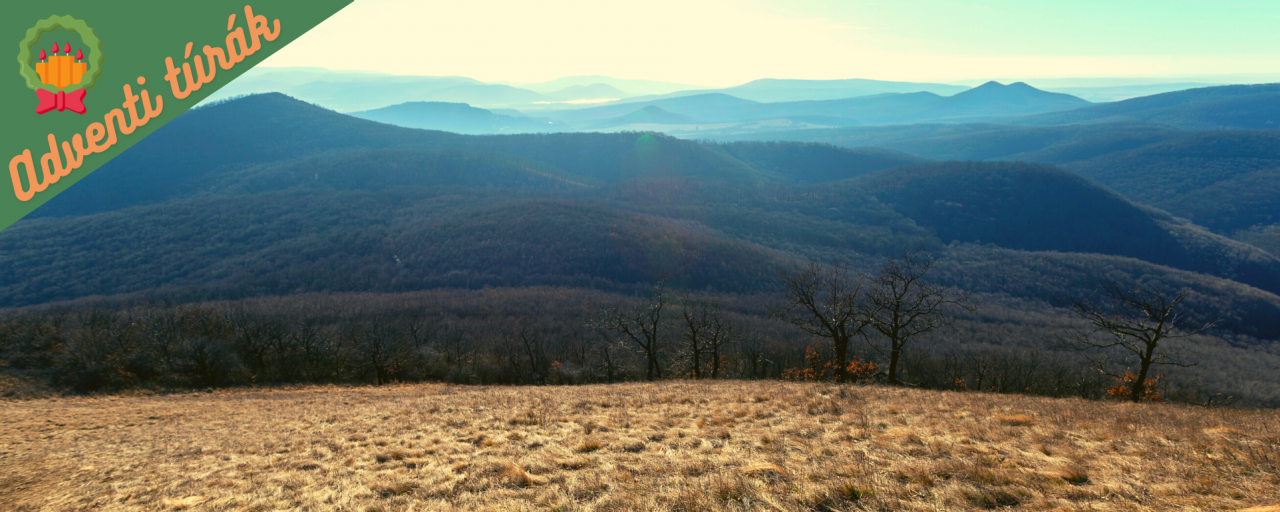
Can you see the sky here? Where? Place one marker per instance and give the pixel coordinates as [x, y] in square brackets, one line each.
[728, 42]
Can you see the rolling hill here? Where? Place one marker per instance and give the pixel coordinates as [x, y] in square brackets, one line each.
[589, 92]
[344, 91]
[646, 87]
[651, 114]
[990, 101]
[774, 90]
[1248, 107]
[984, 141]
[797, 198]
[316, 203]
[457, 118]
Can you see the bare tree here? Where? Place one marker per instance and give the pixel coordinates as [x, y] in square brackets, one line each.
[707, 332]
[641, 324]
[902, 305]
[826, 301]
[1136, 319]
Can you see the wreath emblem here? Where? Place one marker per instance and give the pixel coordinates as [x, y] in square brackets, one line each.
[61, 81]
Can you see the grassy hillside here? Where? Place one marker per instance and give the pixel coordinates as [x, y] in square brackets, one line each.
[660, 447]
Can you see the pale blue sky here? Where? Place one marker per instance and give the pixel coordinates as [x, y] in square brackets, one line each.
[726, 42]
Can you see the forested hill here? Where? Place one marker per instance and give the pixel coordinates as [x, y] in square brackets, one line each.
[230, 135]
[295, 187]
[1207, 155]
[271, 128]
[1249, 107]
[315, 203]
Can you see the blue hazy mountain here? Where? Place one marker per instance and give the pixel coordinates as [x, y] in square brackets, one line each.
[458, 118]
[650, 115]
[633, 87]
[988, 102]
[589, 92]
[1255, 107]
[774, 90]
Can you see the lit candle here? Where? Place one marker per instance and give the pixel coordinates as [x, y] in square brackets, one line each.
[79, 55]
[55, 49]
[43, 56]
[66, 48]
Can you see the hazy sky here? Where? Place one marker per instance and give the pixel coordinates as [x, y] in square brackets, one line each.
[727, 42]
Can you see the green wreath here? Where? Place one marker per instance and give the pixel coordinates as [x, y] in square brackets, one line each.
[87, 36]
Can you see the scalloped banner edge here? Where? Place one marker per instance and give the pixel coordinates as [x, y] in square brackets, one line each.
[88, 37]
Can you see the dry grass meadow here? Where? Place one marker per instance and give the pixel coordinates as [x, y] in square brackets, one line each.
[666, 446]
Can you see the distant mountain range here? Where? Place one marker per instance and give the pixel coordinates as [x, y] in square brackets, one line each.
[650, 115]
[458, 118]
[293, 148]
[589, 92]
[1209, 155]
[772, 90]
[988, 102]
[315, 201]
[1249, 107]
[632, 87]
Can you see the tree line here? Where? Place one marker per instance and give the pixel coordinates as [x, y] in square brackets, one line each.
[831, 322]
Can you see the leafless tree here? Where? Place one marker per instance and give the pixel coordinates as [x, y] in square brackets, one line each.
[707, 331]
[902, 305]
[1136, 319]
[826, 301]
[641, 324]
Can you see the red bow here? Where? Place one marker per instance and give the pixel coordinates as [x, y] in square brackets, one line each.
[73, 101]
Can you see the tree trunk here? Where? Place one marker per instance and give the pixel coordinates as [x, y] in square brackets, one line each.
[1140, 386]
[697, 363]
[842, 351]
[893, 361]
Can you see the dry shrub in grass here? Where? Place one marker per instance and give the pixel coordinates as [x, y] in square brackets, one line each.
[24, 388]
[851, 491]
[183, 503]
[764, 470]
[1223, 430]
[1017, 420]
[589, 445]
[512, 475]
[631, 445]
[575, 463]
[990, 498]
[398, 487]
[1074, 475]
[500, 474]
[822, 406]
[389, 456]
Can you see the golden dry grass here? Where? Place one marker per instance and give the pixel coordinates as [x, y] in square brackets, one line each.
[669, 446]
